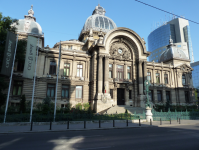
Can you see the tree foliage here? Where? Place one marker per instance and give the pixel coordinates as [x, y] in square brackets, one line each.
[6, 24]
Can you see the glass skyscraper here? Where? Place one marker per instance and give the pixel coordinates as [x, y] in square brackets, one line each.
[179, 31]
[195, 74]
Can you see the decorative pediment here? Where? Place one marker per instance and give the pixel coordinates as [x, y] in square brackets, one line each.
[184, 68]
[118, 50]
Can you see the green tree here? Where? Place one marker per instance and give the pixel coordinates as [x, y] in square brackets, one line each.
[47, 105]
[22, 107]
[6, 25]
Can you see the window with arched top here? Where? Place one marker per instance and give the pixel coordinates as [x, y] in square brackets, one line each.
[183, 79]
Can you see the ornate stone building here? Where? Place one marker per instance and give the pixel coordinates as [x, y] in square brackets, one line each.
[107, 66]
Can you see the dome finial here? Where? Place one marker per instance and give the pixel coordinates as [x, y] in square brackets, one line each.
[30, 15]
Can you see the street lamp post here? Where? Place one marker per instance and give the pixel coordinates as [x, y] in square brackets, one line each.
[147, 84]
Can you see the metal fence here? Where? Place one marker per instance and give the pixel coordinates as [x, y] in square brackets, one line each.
[164, 116]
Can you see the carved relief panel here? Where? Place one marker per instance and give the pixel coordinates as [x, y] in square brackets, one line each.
[119, 50]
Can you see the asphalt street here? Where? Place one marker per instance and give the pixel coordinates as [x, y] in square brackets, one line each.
[151, 138]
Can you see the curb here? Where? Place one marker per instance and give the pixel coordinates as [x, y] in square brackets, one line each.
[37, 131]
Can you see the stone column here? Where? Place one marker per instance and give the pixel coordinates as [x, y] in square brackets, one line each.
[100, 73]
[114, 70]
[106, 74]
[145, 73]
[125, 70]
[140, 78]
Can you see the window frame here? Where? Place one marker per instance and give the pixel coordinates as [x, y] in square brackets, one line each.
[186, 93]
[166, 78]
[66, 67]
[53, 68]
[76, 92]
[159, 92]
[129, 73]
[111, 70]
[157, 75]
[17, 88]
[169, 95]
[68, 88]
[121, 72]
[79, 70]
[130, 94]
[183, 79]
[50, 90]
[149, 76]
[70, 47]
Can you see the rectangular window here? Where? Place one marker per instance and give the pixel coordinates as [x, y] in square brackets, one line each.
[157, 78]
[79, 70]
[110, 70]
[17, 88]
[111, 93]
[70, 47]
[151, 95]
[66, 69]
[65, 91]
[149, 76]
[159, 93]
[165, 78]
[78, 91]
[51, 90]
[183, 80]
[186, 96]
[120, 72]
[52, 68]
[130, 95]
[128, 72]
[168, 96]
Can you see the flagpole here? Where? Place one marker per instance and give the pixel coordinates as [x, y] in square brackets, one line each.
[10, 81]
[33, 89]
[57, 80]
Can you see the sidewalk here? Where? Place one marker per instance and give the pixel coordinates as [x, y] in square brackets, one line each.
[79, 125]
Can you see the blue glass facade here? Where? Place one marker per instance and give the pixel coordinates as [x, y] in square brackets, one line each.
[160, 37]
[195, 75]
[187, 37]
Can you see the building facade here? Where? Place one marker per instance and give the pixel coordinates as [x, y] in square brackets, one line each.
[106, 66]
[179, 31]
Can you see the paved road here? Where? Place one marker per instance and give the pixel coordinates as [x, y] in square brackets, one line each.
[154, 138]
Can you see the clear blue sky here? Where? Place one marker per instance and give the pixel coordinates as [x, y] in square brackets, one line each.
[64, 19]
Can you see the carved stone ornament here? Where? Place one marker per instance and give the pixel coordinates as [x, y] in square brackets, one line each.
[119, 50]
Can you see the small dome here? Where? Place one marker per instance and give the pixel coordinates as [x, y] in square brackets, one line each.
[29, 24]
[98, 21]
[172, 52]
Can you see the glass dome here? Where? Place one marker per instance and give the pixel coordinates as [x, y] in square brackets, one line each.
[98, 21]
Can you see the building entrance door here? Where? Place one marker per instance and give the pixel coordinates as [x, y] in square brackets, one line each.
[120, 96]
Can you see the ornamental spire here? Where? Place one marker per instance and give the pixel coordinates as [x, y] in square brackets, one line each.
[30, 15]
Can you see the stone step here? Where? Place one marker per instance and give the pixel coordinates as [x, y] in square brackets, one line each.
[122, 109]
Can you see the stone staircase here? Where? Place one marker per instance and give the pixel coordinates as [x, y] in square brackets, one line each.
[122, 109]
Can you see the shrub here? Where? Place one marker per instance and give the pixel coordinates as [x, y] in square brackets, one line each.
[86, 106]
[78, 106]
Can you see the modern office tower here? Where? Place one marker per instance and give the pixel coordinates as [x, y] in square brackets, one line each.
[179, 31]
[195, 74]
